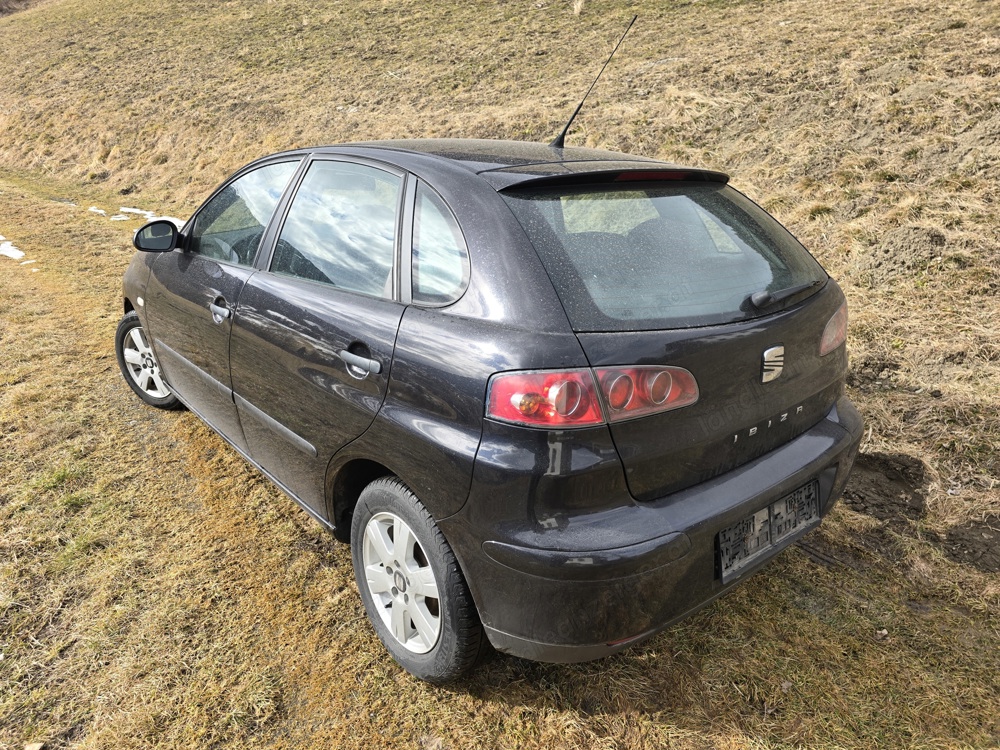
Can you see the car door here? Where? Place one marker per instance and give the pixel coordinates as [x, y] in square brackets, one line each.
[192, 292]
[314, 333]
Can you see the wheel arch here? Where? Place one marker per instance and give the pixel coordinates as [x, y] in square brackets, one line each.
[345, 481]
[344, 484]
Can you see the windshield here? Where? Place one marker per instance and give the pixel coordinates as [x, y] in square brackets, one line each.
[635, 258]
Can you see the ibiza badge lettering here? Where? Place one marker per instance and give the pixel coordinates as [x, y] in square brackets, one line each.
[776, 420]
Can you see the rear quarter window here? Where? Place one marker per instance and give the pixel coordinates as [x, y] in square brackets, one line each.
[659, 256]
[440, 256]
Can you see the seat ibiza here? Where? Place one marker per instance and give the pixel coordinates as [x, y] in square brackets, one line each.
[555, 398]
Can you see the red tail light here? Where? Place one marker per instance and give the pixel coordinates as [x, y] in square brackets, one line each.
[631, 392]
[545, 399]
[835, 332]
[570, 398]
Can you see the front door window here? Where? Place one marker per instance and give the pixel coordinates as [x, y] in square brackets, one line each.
[230, 226]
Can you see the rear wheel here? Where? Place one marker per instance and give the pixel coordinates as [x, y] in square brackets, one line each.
[411, 585]
[139, 366]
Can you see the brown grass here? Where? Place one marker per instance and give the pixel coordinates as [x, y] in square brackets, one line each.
[155, 591]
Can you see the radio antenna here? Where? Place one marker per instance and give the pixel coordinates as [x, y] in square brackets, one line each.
[560, 141]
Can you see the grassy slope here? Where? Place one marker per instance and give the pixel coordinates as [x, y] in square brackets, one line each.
[153, 590]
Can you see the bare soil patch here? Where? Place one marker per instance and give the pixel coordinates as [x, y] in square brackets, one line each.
[893, 489]
[887, 486]
[975, 543]
[904, 251]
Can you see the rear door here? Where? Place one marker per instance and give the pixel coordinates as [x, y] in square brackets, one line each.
[314, 333]
[192, 292]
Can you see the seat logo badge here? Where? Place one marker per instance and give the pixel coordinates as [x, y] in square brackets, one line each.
[774, 362]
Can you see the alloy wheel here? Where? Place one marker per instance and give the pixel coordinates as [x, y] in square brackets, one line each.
[401, 582]
[141, 364]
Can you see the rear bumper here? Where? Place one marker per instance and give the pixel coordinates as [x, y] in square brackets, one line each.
[548, 589]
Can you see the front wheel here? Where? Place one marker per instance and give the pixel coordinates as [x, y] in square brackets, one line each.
[411, 585]
[139, 366]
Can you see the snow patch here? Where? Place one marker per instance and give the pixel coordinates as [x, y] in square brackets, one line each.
[7, 249]
[150, 215]
[125, 213]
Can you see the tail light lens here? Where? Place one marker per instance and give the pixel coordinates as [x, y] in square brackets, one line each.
[565, 398]
[835, 332]
[570, 398]
[631, 392]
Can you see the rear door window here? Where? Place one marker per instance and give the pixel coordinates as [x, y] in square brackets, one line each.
[660, 256]
[341, 228]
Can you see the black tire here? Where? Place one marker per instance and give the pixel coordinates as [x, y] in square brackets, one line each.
[395, 584]
[139, 366]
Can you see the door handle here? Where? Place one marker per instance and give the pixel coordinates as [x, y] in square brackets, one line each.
[219, 313]
[362, 363]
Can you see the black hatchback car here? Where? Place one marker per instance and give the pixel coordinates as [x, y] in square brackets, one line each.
[555, 398]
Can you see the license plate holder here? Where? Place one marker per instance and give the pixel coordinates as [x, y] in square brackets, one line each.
[770, 529]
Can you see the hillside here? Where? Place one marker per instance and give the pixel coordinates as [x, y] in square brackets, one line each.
[138, 602]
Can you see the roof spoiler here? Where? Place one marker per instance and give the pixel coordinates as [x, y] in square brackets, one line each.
[641, 174]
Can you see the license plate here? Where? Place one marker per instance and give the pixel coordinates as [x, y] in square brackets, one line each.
[759, 535]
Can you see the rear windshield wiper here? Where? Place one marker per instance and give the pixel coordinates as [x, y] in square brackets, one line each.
[760, 300]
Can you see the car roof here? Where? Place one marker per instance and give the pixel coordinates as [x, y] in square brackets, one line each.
[507, 163]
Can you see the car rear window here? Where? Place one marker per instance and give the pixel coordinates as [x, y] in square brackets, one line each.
[645, 257]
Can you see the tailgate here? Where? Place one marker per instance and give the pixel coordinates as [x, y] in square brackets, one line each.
[737, 417]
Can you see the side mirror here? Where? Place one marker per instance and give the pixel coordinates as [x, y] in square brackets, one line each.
[160, 236]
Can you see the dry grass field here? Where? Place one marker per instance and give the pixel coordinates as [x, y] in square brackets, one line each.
[155, 591]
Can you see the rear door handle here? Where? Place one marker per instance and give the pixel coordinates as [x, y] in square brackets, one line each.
[362, 363]
[219, 312]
